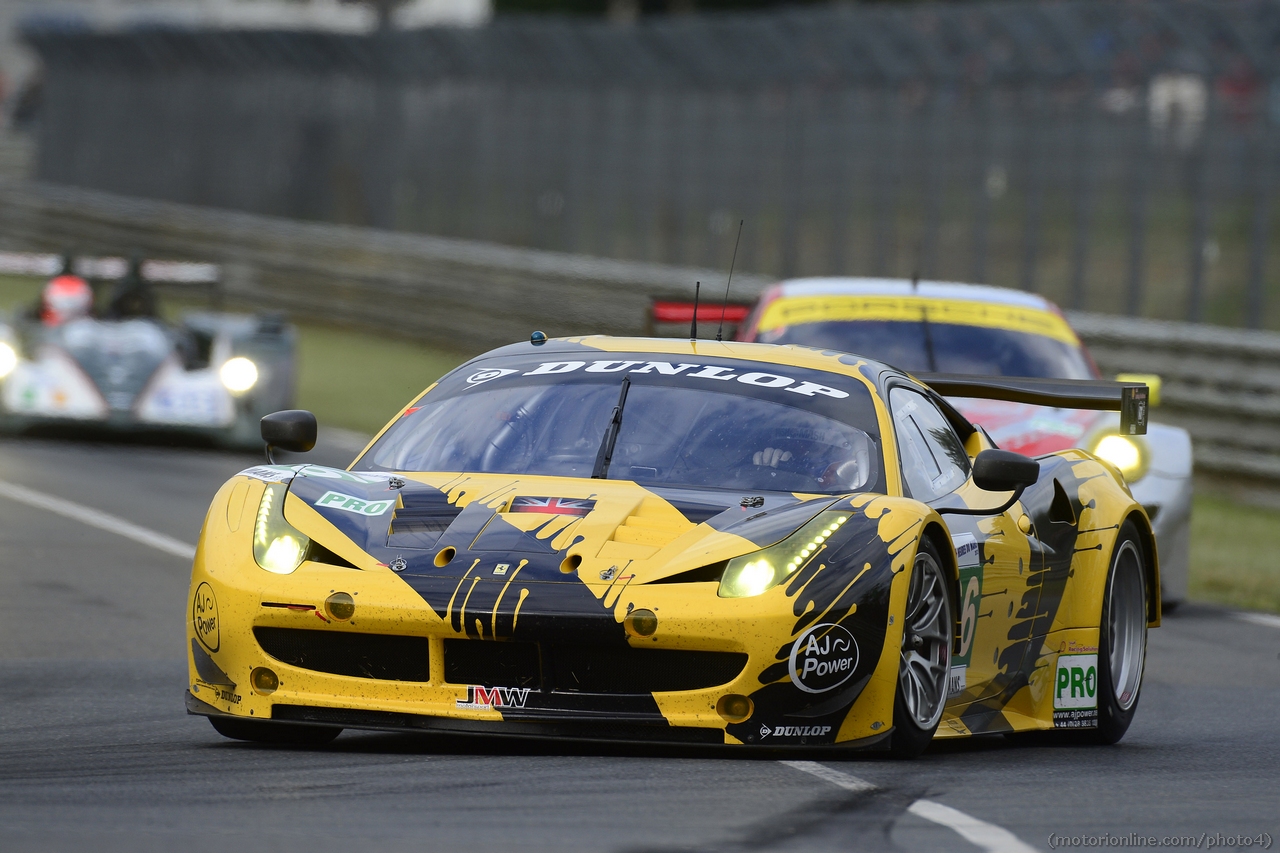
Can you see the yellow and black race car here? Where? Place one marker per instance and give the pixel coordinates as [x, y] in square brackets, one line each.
[684, 542]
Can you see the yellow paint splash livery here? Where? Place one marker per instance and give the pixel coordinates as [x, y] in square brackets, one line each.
[798, 310]
[588, 608]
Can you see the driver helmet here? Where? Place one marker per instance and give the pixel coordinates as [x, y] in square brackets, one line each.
[65, 297]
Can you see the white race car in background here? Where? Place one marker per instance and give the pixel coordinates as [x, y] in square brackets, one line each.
[210, 372]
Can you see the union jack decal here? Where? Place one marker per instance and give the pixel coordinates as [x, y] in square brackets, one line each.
[553, 506]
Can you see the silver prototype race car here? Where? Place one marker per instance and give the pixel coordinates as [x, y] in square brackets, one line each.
[114, 363]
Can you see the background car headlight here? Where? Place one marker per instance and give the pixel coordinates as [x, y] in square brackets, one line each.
[277, 545]
[238, 374]
[1124, 452]
[8, 359]
[753, 574]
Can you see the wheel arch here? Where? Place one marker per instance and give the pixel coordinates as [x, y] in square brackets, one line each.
[1150, 564]
[936, 532]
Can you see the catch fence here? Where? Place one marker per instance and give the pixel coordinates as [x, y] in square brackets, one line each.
[1117, 157]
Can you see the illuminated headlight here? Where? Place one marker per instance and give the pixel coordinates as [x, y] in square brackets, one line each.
[8, 359]
[753, 574]
[277, 545]
[238, 374]
[1125, 452]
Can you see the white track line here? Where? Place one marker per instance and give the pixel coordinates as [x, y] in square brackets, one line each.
[1260, 619]
[988, 836]
[836, 777]
[96, 518]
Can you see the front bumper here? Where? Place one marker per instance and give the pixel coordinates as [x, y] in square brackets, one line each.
[697, 638]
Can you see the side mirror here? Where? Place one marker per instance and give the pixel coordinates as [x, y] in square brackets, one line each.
[1004, 471]
[293, 430]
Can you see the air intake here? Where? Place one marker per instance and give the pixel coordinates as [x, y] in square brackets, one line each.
[386, 657]
[575, 669]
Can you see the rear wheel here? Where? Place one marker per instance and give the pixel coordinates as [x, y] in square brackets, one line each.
[1122, 638]
[925, 661]
[261, 731]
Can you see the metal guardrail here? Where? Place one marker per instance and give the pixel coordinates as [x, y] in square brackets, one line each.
[1221, 384]
[458, 294]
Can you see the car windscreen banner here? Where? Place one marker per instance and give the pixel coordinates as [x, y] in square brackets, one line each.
[832, 395]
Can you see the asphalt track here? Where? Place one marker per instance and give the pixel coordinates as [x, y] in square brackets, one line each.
[97, 753]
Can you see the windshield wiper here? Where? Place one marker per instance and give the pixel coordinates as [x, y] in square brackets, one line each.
[605, 456]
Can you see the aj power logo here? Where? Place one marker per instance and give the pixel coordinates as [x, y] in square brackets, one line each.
[204, 617]
[823, 658]
[1075, 692]
[494, 698]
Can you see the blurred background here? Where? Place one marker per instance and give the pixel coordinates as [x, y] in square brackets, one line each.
[1116, 157]
[417, 181]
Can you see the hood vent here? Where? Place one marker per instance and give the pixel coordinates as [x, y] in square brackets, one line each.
[421, 520]
[654, 524]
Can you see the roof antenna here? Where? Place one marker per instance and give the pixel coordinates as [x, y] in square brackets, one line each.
[930, 356]
[693, 324]
[724, 306]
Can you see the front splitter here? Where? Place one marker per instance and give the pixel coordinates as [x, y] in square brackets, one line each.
[593, 731]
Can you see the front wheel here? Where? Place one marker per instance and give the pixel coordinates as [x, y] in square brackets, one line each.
[262, 731]
[1122, 638]
[927, 628]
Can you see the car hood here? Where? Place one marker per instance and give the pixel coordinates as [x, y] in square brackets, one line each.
[1031, 430]
[536, 525]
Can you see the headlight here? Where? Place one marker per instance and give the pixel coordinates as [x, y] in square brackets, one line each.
[1124, 452]
[277, 545]
[752, 574]
[8, 359]
[238, 374]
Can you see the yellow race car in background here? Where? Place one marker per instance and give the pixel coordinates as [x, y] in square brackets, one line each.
[697, 543]
[931, 326]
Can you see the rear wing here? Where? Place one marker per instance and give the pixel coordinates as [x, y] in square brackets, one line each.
[1127, 398]
[111, 268]
[183, 274]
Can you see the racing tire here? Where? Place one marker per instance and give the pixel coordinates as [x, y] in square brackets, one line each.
[261, 731]
[928, 625]
[1122, 639]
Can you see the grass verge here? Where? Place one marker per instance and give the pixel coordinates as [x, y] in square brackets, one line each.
[1232, 554]
[358, 380]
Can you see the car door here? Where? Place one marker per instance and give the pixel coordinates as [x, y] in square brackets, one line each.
[994, 553]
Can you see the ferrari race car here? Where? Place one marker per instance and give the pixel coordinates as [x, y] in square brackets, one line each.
[992, 331]
[699, 543]
[122, 367]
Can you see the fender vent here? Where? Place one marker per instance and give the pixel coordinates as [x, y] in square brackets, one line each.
[386, 657]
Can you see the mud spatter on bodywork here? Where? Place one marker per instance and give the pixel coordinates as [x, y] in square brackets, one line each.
[1054, 544]
[844, 587]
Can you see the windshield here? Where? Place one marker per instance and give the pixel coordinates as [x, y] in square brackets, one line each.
[956, 348]
[676, 430]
